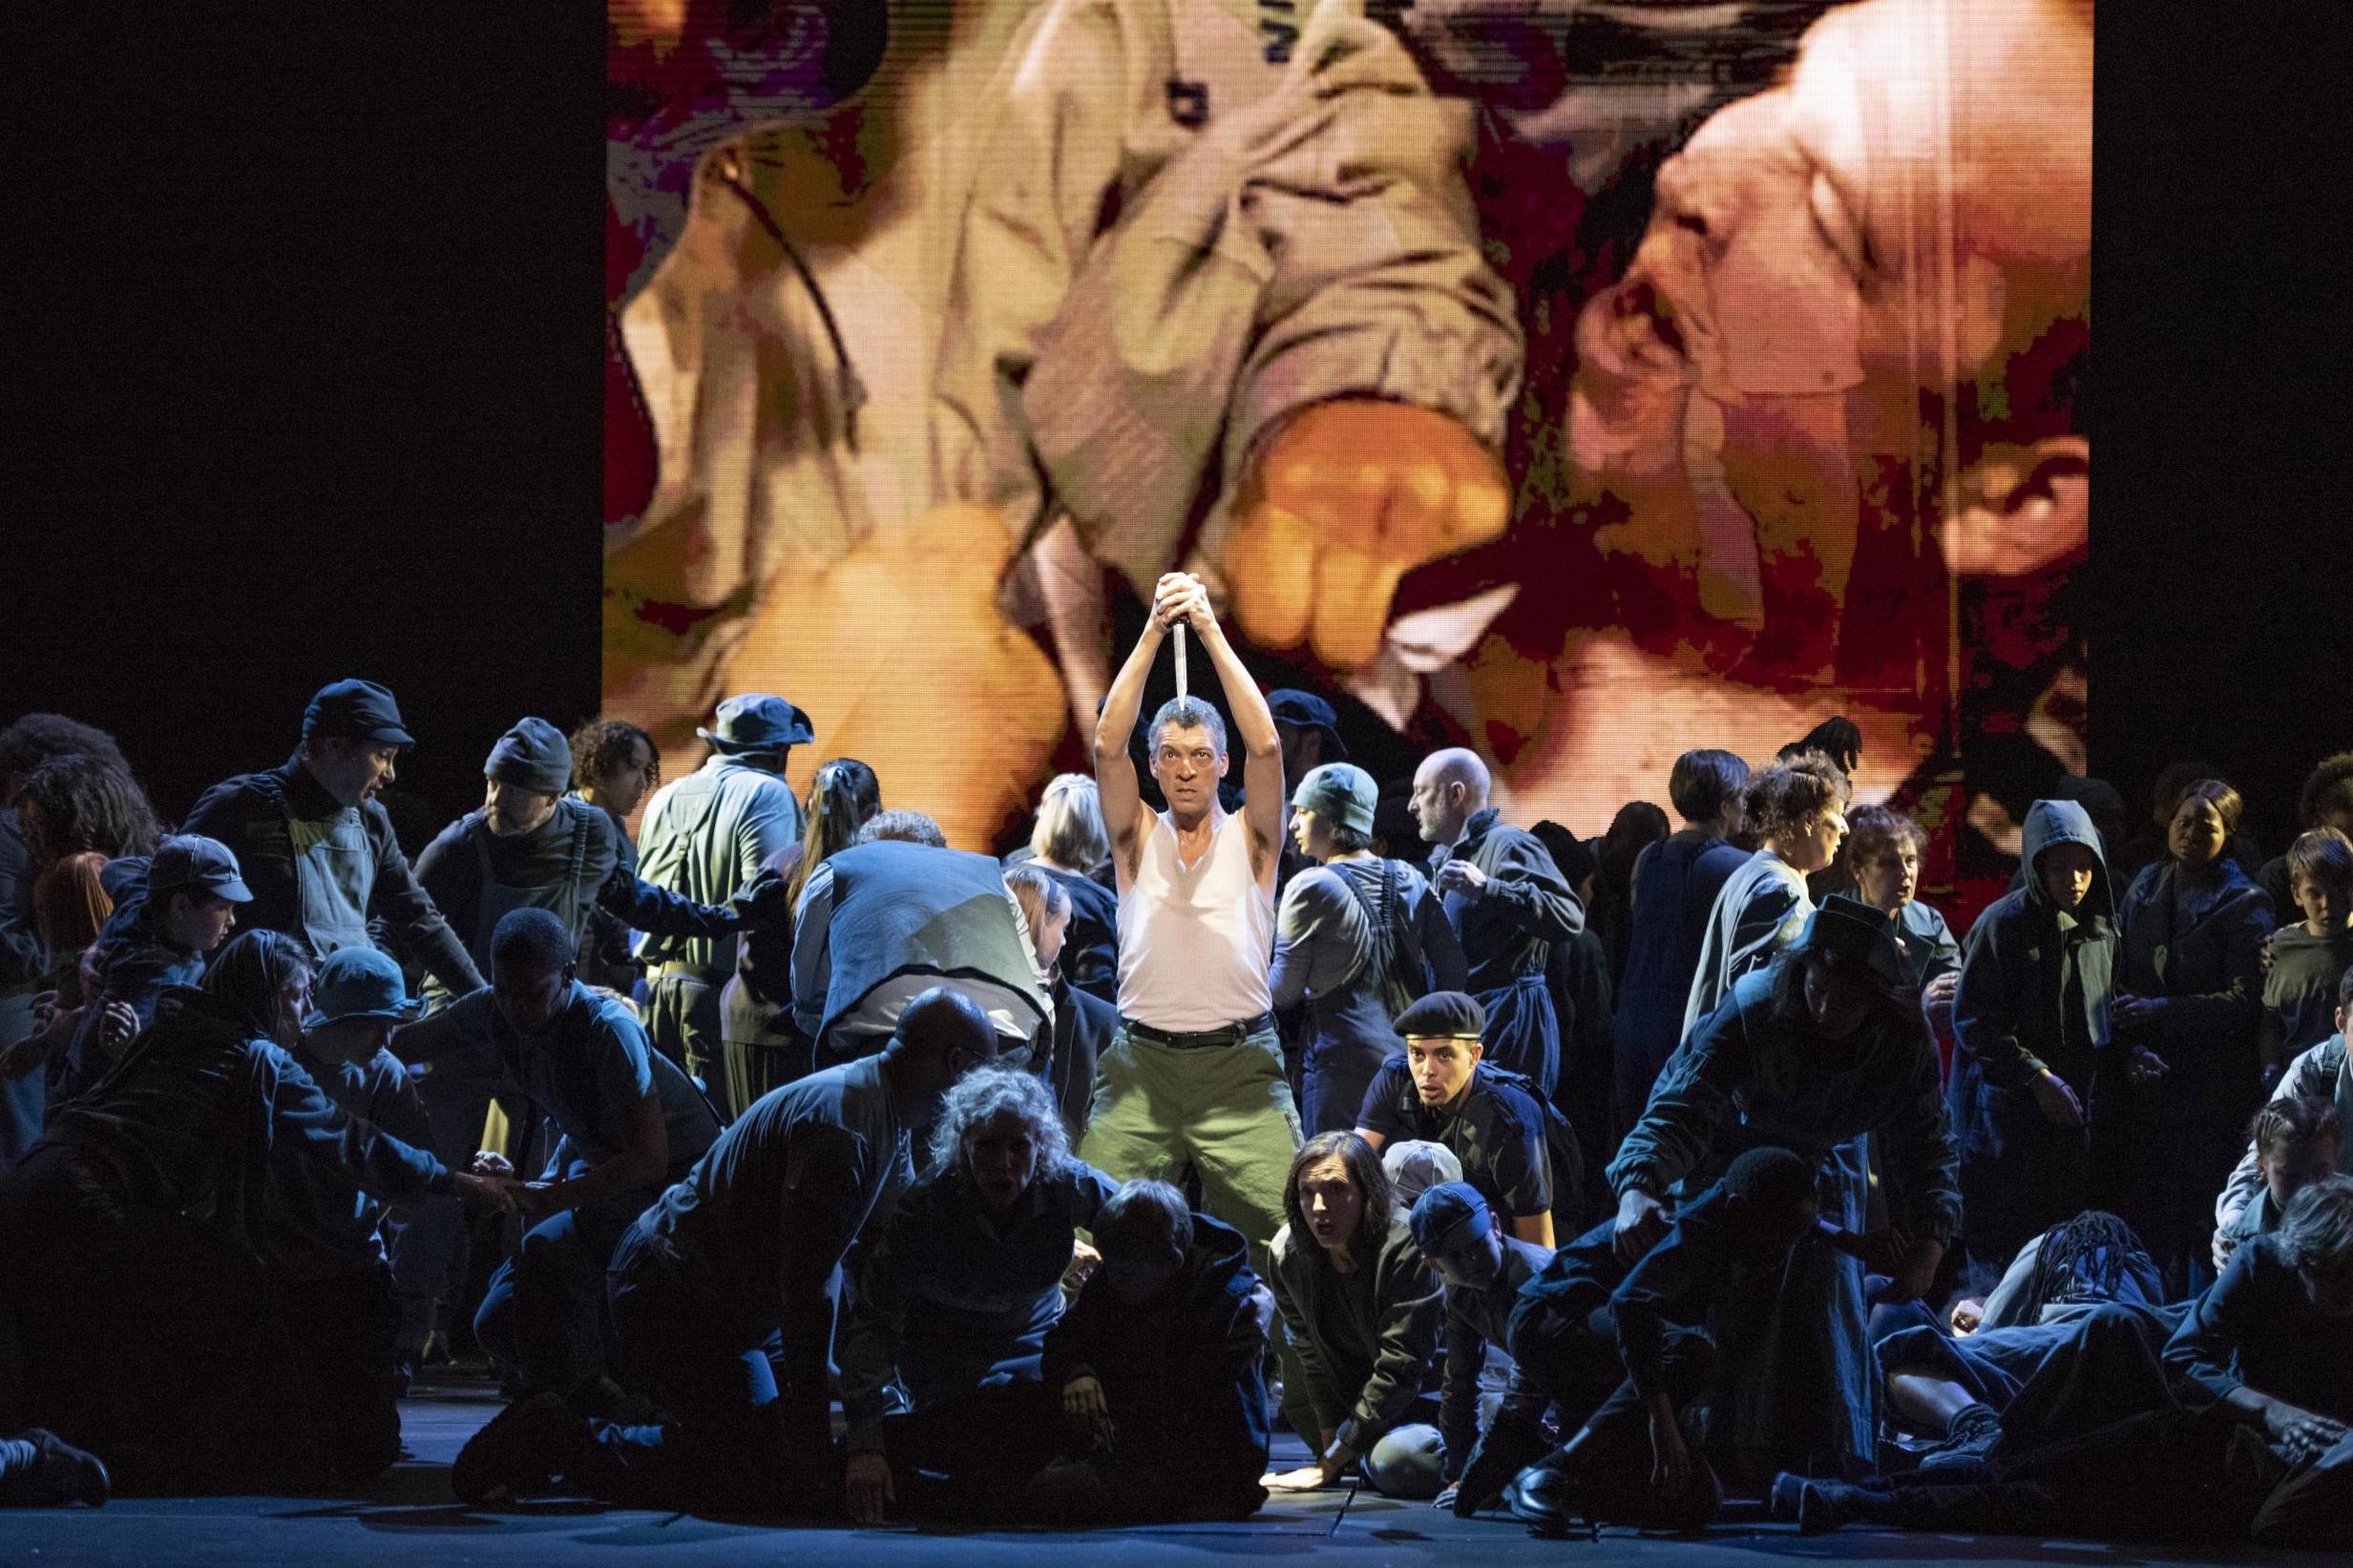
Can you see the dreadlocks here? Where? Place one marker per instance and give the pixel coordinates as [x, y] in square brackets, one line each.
[2083, 1259]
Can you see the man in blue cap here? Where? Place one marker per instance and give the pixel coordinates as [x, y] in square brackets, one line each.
[169, 920]
[317, 846]
[705, 837]
[1482, 1271]
[342, 1314]
[531, 845]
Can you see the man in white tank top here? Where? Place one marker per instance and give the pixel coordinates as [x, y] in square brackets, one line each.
[1194, 1072]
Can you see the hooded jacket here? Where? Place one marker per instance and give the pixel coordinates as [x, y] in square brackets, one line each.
[1181, 1370]
[2006, 1019]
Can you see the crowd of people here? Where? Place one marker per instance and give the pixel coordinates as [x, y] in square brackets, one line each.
[1587, 1179]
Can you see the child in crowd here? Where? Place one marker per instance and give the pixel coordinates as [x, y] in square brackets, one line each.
[2310, 957]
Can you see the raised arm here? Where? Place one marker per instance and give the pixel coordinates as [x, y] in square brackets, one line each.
[1181, 596]
[1115, 769]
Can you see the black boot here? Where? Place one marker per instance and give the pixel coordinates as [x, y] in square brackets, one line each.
[524, 1450]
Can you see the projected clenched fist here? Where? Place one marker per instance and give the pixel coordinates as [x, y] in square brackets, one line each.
[1341, 503]
[902, 660]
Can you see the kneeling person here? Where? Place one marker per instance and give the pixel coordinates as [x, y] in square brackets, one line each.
[1362, 1310]
[1157, 1367]
[741, 1249]
[1482, 1271]
[954, 1298]
[629, 1119]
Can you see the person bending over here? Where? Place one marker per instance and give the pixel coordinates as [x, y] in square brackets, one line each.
[741, 1249]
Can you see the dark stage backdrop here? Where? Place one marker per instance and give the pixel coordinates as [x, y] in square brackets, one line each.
[304, 356]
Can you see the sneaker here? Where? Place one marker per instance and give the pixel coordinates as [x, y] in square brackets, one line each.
[524, 1450]
[65, 1474]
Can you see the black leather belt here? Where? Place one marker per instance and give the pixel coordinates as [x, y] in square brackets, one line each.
[1230, 1035]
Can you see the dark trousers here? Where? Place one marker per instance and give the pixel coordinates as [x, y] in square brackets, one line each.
[544, 1314]
[967, 1458]
[683, 1021]
[141, 1335]
[344, 1369]
[2160, 1475]
[726, 1443]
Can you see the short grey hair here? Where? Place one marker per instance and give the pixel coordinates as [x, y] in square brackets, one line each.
[986, 1093]
[2317, 1231]
[1188, 713]
[1070, 830]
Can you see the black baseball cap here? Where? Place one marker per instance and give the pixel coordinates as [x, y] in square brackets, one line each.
[190, 863]
[356, 710]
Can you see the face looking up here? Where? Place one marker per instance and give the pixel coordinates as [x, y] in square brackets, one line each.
[1331, 1203]
[1001, 1152]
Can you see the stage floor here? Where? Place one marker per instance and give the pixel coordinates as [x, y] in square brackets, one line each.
[409, 1518]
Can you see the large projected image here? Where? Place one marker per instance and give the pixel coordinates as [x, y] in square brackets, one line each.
[1580, 382]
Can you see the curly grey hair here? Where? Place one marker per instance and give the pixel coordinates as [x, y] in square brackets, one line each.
[988, 1093]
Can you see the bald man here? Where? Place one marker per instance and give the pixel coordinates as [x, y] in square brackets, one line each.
[1508, 902]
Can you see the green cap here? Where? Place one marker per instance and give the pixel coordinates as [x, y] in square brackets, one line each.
[1341, 793]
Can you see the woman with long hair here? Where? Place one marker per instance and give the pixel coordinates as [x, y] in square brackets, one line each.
[1363, 1311]
[762, 1047]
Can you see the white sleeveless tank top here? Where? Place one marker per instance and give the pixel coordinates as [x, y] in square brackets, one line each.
[1195, 942]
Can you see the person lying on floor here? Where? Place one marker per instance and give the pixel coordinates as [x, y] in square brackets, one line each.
[2034, 1329]
[1362, 1310]
[1626, 1354]
[2266, 1453]
[953, 1302]
[1159, 1365]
